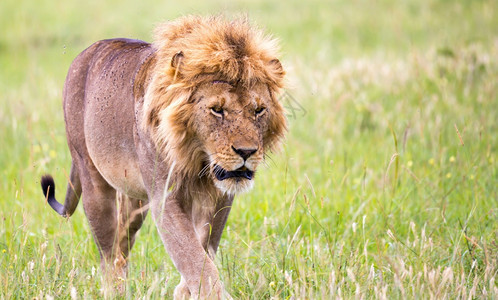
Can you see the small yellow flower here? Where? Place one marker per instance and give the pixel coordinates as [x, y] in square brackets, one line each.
[448, 175]
[409, 164]
[452, 158]
[4, 251]
[431, 161]
[471, 176]
[52, 153]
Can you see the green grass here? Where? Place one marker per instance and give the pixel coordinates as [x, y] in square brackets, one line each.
[386, 186]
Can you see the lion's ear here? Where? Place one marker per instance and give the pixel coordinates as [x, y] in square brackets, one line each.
[278, 72]
[275, 63]
[176, 60]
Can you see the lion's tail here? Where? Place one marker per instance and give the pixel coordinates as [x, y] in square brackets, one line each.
[48, 187]
[72, 196]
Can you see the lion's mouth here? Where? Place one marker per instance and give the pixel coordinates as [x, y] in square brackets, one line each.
[242, 172]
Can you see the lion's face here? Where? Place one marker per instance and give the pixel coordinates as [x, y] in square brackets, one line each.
[233, 124]
[211, 105]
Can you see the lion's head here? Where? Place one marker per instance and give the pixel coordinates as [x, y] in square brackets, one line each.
[211, 105]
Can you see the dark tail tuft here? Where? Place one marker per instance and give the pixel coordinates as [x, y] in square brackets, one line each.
[48, 187]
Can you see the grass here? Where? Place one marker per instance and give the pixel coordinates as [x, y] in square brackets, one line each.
[385, 188]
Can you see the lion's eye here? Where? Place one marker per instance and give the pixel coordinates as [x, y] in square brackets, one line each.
[259, 111]
[217, 111]
[220, 81]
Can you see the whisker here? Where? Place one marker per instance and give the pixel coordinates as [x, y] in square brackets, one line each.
[266, 155]
[203, 171]
[265, 163]
[211, 154]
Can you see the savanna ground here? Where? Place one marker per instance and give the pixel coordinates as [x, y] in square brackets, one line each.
[386, 186]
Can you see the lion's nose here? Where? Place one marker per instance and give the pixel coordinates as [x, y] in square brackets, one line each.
[245, 153]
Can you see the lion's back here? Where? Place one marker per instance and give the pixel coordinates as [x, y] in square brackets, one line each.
[100, 72]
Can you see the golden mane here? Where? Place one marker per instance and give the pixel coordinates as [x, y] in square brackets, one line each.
[193, 50]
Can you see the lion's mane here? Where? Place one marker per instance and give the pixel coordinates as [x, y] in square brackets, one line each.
[193, 50]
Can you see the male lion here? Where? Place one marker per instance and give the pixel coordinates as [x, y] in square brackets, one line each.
[178, 126]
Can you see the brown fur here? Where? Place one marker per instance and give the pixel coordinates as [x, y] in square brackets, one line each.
[179, 127]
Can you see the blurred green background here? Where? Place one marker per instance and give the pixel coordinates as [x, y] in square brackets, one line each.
[386, 186]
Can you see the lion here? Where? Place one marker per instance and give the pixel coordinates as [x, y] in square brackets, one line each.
[179, 127]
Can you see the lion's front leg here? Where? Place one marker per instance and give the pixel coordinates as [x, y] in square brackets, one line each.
[178, 234]
[209, 222]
